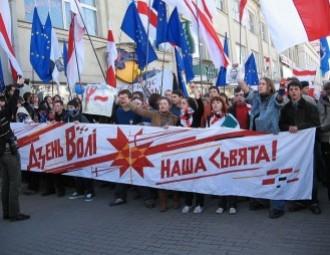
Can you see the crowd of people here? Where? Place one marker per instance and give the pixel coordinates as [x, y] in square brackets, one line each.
[265, 109]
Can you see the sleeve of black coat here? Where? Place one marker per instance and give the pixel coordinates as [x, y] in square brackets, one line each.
[284, 121]
[313, 119]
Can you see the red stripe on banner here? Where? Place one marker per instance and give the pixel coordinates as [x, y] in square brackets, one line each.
[293, 180]
[26, 140]
[144, 9]
[81, 164]
[315, 16]
[273, 172]
[268, 181]
[296, 72]
[101, 98]
[208, 175]
[187, 142]
[286, 171]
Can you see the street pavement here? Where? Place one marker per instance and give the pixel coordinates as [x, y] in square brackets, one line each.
[62, 226]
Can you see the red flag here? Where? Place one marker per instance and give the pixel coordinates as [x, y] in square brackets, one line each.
[112, 56]
[242, 4]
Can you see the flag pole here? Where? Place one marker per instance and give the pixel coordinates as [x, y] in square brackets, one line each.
[91, 42]
[163, 67]
[240, 40]
[147, 52]
[75, 53]
[148, 34]
[199, 50]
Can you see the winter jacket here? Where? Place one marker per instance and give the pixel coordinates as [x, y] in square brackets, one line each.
[303, 115]
[265, 112]
[158, 119]
[324, 111]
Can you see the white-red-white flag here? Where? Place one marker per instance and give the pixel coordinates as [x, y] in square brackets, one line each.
[242, 4]
[111, 58]
[148, 17]
[5, 38]
[304, 75]
[76, 54]
[292, 22]
[201, 17]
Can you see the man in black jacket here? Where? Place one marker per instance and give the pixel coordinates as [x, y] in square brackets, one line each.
[296, 115]
[9, 161]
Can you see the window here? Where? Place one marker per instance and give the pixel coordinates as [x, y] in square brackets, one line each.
[220, 4]
[252, 23]
[243, 56]
[60, 13]
[89, 15]
[235, 9]
[264, 32]
[54, 7]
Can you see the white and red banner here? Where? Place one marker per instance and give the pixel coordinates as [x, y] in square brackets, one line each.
[5, 38]
[148, 17]
[98, 99]
[292, 22]
[112, 55]
[241, 7]
[214, 161]
[201, 14]
[304, 75]
[76, 54]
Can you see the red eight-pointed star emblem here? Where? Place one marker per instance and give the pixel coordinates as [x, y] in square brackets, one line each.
[129, 155]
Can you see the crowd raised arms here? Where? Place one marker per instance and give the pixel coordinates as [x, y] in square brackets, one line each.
[265, 109]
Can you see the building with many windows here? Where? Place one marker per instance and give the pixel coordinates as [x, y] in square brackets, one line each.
[252, 36]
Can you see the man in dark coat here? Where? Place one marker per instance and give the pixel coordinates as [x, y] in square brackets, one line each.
[296, 115]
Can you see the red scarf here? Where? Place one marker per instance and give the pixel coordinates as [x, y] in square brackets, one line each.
[215, 117]
[186, 117]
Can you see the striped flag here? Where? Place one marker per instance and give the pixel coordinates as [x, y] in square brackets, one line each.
[242, 4]
[201, 16]
[5, 38]
[292, 22]
[304, 75]
[148, 17]
[111, 58]
[76, 56]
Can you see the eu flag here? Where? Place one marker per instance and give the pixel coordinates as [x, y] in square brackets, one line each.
[324, 55]
[2, 81]
[65, 57]
[132, 26]
[251, 73]
[222, 77]
[179, 68]
[160, 7]
[40, 47]
[176, 36]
